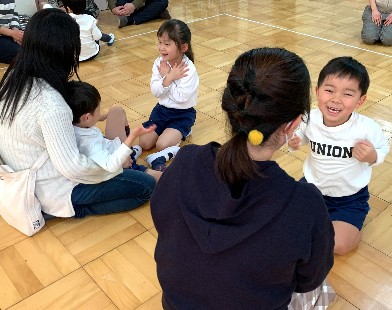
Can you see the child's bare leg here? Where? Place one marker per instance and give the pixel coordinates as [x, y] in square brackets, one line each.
[169, 137]
[115, 124]
[155, 174]
[347, 237]
[40, 4]
[148, 140]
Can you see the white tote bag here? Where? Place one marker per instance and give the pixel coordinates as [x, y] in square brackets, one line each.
[18, 205]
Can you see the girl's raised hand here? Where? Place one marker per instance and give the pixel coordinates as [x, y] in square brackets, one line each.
[178, 71]
[164, 68]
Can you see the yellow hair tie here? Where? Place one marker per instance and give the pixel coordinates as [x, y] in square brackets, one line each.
[255, 137]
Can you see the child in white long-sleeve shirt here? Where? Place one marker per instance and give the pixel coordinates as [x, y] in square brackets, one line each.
[175, 83]
[345, 145]
[113, 151]
[90, 34]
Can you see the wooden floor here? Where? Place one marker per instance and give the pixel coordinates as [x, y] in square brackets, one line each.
[106, 262]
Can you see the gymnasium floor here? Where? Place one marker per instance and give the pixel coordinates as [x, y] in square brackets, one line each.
[106, 262]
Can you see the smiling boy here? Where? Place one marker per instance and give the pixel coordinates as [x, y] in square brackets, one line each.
[344, 146]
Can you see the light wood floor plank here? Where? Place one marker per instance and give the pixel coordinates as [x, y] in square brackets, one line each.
[106, 262]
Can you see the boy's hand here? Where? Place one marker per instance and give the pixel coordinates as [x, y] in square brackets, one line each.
[164, 68]
[127, 163]
[294, 142]
[364, 152]
[388, 21]
[136, 132]
[376, 17]
[103, 117]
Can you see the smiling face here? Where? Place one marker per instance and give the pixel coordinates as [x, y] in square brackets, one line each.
[338, 98]
[169, 50]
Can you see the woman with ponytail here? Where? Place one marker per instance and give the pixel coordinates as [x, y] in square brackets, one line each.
[235, 231]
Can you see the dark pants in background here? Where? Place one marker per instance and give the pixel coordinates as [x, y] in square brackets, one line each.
[150, 11]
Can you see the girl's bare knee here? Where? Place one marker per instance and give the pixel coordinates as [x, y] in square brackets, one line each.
[116, 110]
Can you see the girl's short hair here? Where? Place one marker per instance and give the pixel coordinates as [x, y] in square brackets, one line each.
[266, 88]
[179, 32]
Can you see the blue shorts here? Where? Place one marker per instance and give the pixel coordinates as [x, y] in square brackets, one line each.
[179, 119]
[350, 209]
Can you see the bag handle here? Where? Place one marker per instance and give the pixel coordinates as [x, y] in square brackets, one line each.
[40, 161]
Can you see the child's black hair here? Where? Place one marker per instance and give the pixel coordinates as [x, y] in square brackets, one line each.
[82, 98]
[346, 67]
[77, 6]
[179, 32]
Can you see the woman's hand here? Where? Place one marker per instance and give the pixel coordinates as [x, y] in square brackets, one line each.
[120, 11]
[129, 8]
[376, 17]
[17, 35]
[388, 21]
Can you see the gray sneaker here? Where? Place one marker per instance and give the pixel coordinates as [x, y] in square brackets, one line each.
[122, 21]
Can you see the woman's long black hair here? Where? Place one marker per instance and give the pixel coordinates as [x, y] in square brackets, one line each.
[50, 51]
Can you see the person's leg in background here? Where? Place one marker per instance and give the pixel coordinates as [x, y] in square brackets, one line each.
[153, 9]
[8, 49]
[124, 192]
[370, 31]
[386, 32]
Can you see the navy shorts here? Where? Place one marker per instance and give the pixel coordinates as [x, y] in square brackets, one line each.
[180, 119]
[350, 209]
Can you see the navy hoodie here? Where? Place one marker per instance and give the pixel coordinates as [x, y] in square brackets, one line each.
[250, 251]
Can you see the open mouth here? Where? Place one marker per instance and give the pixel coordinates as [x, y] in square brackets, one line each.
[333, 110]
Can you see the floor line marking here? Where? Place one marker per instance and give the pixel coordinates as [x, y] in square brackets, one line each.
[309, 35]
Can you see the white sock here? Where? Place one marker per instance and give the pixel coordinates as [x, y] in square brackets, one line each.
[168, 153]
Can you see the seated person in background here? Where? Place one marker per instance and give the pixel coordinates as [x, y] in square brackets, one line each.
[91, 7]
[135, 12]
[89, 31]
[10, 33]
[377, 19]
[345, 146]
[235, 231]
[114, 151]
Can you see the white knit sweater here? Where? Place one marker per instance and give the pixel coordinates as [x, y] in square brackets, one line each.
[45, 122]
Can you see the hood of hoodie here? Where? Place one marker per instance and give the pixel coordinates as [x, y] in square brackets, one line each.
[217, 220]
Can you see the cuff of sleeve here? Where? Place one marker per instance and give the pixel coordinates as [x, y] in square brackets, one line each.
[380, 158]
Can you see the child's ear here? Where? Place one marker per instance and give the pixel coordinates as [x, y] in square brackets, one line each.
[85, 117]
[184, 47]
[361, 101]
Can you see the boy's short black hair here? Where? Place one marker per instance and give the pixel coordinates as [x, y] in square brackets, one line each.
[346, 67]
[77, 6]
[82, 98]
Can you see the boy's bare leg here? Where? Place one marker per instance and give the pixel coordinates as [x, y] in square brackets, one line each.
[169, 137]
[39, 4]
[155, 174]
[115, 124]
[347, 237]
[148, 140]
